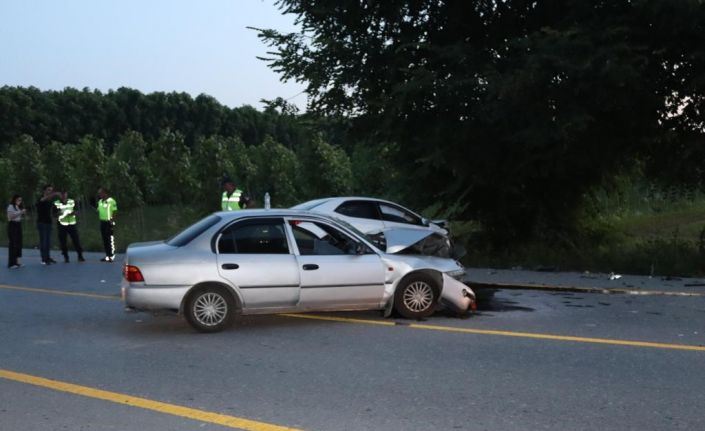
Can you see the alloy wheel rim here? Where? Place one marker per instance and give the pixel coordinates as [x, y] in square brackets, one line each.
[210, 309]
[418, 296]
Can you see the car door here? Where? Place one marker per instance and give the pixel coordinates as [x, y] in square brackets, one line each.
[337, 271]
[254, 256]
[362, 214]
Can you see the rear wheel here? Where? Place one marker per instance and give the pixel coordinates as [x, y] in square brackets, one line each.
[210, 309]
[416, 297]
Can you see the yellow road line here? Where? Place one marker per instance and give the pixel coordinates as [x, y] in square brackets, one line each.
[615, 342]
[506, 333]
[118, 398]
[58, 292]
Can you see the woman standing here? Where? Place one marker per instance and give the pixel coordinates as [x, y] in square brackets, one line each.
[15, 211]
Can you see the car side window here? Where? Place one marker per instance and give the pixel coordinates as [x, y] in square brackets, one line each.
[398, 215]
[314, 238]
[265, 237]
[359, 209]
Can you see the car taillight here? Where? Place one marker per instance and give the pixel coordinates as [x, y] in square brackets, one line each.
[132, 273]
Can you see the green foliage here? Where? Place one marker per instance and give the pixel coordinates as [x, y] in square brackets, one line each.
[516, 107]
[122, 184]
[211, 161]
[60, 168]
[170, 162]
[245, 170]
[26, 169]
[132, 150]
[88, 160]
[374, 170]
[326, 169]
[277, 173]
[6, 190]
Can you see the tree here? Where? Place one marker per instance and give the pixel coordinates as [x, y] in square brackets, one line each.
[326, 169]
[88, 160]
[374, 172]
[6, 191]
[170, 162]
[244, 169]
[132, 149]
[60, 169]
[277, 173]
[26, 167]
[122, 184]
[210, 163]
[515, 108]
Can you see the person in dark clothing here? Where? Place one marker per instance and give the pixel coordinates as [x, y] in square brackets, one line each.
[15, 212]
[45, 205]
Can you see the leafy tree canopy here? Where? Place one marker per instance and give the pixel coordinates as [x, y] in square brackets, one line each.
[515, 108]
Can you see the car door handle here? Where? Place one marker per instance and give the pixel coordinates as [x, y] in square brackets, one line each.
[310, 267]
[230, 266]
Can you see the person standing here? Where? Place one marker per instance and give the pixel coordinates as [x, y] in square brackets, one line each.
[44, 208]
[66, 226]
[231, 196]
[15, 211]
[107, 207]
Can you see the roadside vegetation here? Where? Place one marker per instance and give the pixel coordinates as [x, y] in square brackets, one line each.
[633, 229]
[563, 135]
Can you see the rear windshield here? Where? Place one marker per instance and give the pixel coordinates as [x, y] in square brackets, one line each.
[187, 235]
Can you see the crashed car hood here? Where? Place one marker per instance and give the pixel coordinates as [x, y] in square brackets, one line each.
[400, 239]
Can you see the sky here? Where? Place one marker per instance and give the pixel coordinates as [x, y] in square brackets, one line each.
[196, 46]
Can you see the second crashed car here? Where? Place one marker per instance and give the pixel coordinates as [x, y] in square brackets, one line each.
[377, 217]
[272, 261]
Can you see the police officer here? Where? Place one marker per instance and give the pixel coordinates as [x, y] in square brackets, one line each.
[107, 207]
[66, 225]
[231, 196]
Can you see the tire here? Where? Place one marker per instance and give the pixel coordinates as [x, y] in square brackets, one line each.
[416, 296]
[210, 309]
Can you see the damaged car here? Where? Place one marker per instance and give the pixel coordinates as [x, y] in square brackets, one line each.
[274, 261]
[375, 217]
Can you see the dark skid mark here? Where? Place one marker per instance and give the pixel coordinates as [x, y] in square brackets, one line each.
[502, 305]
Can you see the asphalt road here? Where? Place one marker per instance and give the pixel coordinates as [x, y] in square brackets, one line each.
[72, 359]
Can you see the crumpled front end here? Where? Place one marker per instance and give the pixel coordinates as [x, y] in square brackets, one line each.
[457, 296]
[414, 242]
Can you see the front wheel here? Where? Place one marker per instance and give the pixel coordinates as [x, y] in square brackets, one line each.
[416, 297]
[210, 309]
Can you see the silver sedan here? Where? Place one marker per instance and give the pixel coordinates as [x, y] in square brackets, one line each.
[272, 261]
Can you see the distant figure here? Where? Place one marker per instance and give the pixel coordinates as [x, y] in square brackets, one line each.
[44, 221]
[66, 225]
[15, 211]
[246, 202]
[231, 196]
[107, 207]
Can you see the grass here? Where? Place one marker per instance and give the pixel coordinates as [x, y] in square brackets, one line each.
[666, 239]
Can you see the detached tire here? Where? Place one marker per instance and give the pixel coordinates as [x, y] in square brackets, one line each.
[210, 309]
[416, 296]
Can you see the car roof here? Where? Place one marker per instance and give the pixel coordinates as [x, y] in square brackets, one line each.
[274, 212]
[317, 202]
